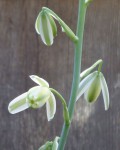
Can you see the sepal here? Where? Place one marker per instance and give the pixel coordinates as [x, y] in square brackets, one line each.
[39, 81]
[84, 84]
[18, 104]
[105, 91]
[51, 107]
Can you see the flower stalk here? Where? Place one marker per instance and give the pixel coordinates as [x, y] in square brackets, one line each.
[77, 69]
[65, 109]
[88, 71]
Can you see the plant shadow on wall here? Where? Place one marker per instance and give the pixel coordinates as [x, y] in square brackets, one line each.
[90, 83]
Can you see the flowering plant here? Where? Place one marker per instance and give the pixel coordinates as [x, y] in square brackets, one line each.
[90, 82]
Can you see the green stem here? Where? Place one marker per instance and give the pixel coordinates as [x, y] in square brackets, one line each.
[100, 66]
[77, 70]
[65, 109]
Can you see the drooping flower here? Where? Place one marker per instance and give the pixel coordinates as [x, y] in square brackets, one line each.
[50, 145]
[91, 87]
[35, 97]
[46, 27]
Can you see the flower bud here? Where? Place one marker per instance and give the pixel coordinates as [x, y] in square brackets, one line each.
[50, 145]
[93, 90]
[37, 96]
[46, 27]
[91, 87]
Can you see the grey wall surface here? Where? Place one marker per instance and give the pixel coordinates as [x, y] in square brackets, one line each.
[22, 53]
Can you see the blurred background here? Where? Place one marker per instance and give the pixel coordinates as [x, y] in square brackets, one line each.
[22, 53]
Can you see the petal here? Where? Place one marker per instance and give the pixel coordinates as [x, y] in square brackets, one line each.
[46, 31]
[55, 144]
[39, 81]
[37, 24]
[53, 25]
[37, 96]
[18, 104]
[51, 107]
[84, 84]
[105, 91]
[93, 90]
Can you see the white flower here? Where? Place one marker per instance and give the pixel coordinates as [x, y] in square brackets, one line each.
[36, 97]
[91, 86]
[45, 26]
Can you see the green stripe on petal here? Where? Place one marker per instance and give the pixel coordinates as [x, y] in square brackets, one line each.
[105, 91]
[46, 29]
[51, 107]
[39, 81]
[93, 90]
[18, 104]
[53, 25]
[84, 84]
